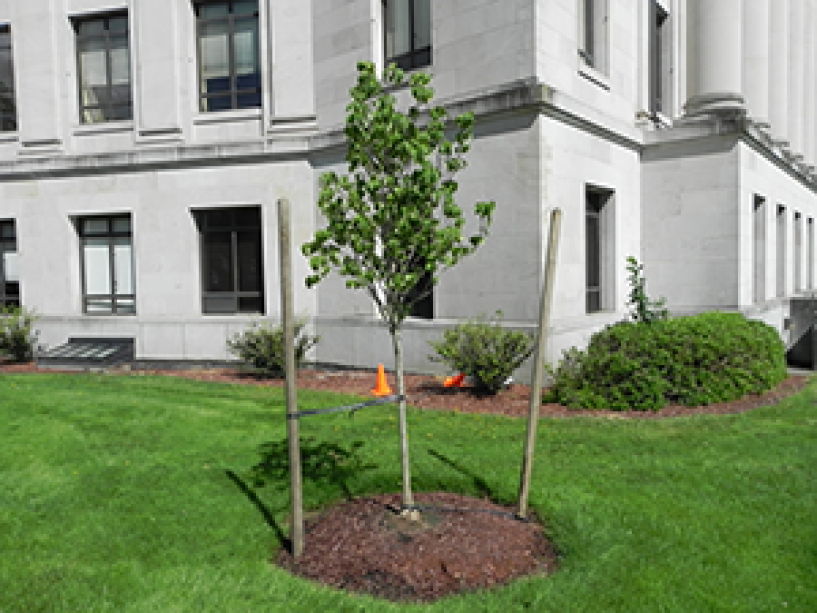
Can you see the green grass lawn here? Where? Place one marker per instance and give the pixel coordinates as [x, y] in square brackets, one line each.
[129, 493]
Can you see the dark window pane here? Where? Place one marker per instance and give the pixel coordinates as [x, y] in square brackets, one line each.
[232, 264]
[218, 265]
[119, 113]
[219, 304]
[249, 261]
[248, 101]
[229, 62]
[248, 217]
[407, 33]
[104, 69]
[593, 301]
[248, 81]
[217, 84]
[222, 218]
[252, 304]
[209, 11]
[118, 24]
[91, 26]
[245, 7]
[8, 107]
[219, 103]
[593, 251]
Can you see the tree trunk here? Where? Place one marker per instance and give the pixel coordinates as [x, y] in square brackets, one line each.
[408, 497]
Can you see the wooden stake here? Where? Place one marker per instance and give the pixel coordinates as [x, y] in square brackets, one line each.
[538, 361]
[288, 322]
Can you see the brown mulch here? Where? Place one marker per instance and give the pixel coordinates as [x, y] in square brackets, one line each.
[462, 543]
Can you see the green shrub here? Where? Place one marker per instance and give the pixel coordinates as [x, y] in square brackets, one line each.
[483, 349]
[696, 360]
[17, 337]
[643, 309]
[261, 347]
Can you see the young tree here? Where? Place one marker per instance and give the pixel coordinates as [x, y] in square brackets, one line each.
[392, 221]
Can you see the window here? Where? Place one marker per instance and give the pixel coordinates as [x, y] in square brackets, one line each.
[229, 59]
[781, 250]
[408, 33]
[660, 50]
[798, 252]
[9, 275]
[107, 265]
[231, 260]
[810, 253]
[103, 64]
[598, 248]
[759, 248]
[421, 296]
[593, 33]
[8, 106]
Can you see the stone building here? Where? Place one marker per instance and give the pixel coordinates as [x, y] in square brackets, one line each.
[144, 145]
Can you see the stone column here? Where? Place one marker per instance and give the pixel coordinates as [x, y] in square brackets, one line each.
[715, 66]
[756, 60]
[35, 35]
[809, 108]
[779, 73]
[796, 90]
[156, 78]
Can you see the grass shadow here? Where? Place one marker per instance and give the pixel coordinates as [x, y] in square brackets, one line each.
[481, 484]
[324, 463]
[266, 513]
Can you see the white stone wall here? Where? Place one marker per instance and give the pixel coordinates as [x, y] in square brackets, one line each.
[739, 124]
[169, 322]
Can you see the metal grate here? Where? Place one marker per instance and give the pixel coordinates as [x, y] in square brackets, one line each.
[85, 353]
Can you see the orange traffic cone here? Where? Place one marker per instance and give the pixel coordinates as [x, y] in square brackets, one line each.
[382, 387]
[454, 381]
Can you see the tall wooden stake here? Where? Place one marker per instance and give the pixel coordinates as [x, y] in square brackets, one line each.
[287, 314]
[538, 361]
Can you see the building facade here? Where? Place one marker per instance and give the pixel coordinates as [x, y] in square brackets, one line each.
[144, 146]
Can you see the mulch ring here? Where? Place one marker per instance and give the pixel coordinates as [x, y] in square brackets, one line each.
[461, 544]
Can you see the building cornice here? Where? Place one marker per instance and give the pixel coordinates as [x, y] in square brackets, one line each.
[524, 96]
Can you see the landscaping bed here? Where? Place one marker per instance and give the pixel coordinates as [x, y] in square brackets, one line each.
[427, 392]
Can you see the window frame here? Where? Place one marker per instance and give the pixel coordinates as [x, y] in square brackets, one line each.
[233, 92]
[8, 244]
[660, 59]
[416, 57]
[118, 301]
[781, 250]
[235, 293]
[594, 19]
[759, 238]
[599, 205]
[105, 36]
[5, 29]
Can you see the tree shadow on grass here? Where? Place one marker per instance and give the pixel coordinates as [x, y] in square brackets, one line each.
[265, 511]
[324, 466]
[479, 483]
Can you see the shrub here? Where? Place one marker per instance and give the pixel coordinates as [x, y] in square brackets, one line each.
[17, 337]
[696, 360]
[642, 308]
[483, 349]
[261, 346]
